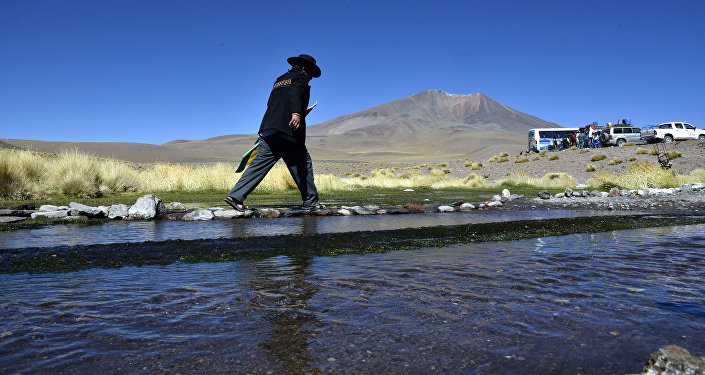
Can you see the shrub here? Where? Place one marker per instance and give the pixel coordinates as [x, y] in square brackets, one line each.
[447, 171]
[75, 174]
[493, 159]
[641, 150]
[382, 172]
[598, 157]
[408, 175]
[548, 181]
[467, 163]
[615, 160]
[537, 158]
[473, 180]
[441, 165]
[590, 168]
[628, 144]
[543, 152]
[553, 157]
[638, 176]
[653, 152]
[476, 166]
[632, 159]
[584, 150]
[573, 147]
[521, 160]
[674, 154]
[504, 155]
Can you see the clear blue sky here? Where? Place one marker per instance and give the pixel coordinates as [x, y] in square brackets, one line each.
[155, 71]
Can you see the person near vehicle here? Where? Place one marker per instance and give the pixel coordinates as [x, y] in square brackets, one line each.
[282, 135]
[573, 139]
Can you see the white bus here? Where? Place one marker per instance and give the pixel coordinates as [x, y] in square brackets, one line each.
[542, 138]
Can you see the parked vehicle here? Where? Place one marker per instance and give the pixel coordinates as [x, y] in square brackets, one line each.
[618, 135]
[673, 131]
[542, 138]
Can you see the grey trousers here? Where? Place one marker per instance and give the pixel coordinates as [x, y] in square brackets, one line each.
[270, 150]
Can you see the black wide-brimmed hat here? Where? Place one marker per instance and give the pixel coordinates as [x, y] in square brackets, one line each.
[306, 61]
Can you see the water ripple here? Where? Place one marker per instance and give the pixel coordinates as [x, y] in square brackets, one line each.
[582, 303]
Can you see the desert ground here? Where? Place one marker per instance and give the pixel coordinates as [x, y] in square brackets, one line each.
[571, 162]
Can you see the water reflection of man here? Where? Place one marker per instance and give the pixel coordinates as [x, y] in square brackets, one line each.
[283, 293]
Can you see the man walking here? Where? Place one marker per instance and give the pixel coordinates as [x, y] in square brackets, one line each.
[282, 134]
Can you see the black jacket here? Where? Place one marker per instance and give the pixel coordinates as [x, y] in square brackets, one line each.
[290, 94]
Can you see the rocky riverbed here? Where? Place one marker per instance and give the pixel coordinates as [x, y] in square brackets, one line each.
[688, 198]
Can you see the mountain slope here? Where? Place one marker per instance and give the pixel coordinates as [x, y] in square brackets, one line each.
[430, 125]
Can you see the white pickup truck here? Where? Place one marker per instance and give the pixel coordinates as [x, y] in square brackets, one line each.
[672, 131]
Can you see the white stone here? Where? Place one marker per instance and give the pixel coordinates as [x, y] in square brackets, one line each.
[345, 212]
[467, 206]
[581, 186]
[48, 208]
[698, 186]
[51, 214]
[408, 189]
[199, 214]
[604, 194]
[229, 214]
[446, 208]
[560, 195]
[147, 207]
[117, 211]
[494, 204]
[84, 210]
[506, 193]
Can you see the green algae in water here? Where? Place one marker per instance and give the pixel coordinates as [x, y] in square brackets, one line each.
[74, 258]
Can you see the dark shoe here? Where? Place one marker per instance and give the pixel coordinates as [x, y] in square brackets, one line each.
[238, 206]
[313, 208]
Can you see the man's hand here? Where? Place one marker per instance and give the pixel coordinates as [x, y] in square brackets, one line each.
[295, 121]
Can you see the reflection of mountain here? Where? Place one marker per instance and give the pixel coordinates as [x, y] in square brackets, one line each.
[428, 125]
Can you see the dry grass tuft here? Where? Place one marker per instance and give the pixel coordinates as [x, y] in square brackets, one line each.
[553, 157]
[521, 160]
[615, 160]
[590, 168]
[598, 157]
[674, 154]
[641, 150]
[548, 181]
[643, 175]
